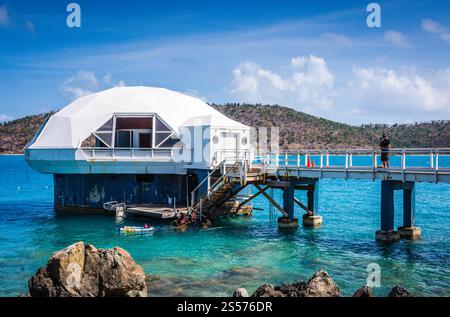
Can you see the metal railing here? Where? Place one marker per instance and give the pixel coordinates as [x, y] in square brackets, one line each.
[95, 153]
[354, 158]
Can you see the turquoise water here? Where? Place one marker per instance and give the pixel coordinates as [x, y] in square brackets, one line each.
[238, 252]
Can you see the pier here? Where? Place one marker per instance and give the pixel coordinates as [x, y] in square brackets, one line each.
[303, 170]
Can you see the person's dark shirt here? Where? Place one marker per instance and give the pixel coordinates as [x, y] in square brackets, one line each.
[384, 144]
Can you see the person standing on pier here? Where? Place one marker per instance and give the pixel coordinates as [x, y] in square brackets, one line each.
[385, 144]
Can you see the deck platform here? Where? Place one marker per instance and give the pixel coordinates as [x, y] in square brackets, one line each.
[153, 211]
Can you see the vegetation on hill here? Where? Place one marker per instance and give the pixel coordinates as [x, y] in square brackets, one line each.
[301, 130]
[297, 129]
[15, 134]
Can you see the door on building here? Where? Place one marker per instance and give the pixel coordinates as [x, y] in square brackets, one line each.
[230, 145]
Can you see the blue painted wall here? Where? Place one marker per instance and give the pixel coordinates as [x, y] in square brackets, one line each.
[92, 190]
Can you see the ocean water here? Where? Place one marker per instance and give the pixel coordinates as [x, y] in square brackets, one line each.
[239, 251]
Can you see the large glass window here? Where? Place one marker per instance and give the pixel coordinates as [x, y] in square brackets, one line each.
[124, 139]
[133, 132]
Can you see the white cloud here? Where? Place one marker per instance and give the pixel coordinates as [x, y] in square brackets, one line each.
[308, 84]
[5, 117]
[436, 28]
[4, 16]
[392, 96]
[338, 39]
[369, 94]
[398, 39]
[108, 79]
[120, 83]
[86, 82]
[82, 84]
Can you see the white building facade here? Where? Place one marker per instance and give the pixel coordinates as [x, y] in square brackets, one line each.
[139, 145]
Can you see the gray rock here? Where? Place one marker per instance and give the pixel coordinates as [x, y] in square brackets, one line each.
[293, 290]
[398, 291]
[267, 290]
[319, 285]
[322, 285]
[364, 291]
[240, 292]
[84, 271]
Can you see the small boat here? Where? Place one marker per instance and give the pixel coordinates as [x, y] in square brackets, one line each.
[136, 229]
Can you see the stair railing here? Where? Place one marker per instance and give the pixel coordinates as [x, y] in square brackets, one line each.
[211, 188]
[206, 179]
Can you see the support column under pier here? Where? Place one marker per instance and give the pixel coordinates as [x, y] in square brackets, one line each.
[289, 221]
[311, 219]
[408, 230]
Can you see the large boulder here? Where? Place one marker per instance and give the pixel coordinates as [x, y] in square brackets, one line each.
[322, 285]
[319, 285]
[267, 290]
[240, 292]
[398, 291]
[84, 271]
[363, 291]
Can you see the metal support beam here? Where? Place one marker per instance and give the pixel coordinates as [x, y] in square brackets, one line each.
[387, 205]
[288, 200]
[242, 203]
[409, 206]
[271, 200]
[313, 197]
[303, 206]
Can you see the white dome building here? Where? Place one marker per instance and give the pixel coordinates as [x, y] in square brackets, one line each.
[131, 134]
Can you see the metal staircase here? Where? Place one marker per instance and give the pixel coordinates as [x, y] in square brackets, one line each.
[220, 188]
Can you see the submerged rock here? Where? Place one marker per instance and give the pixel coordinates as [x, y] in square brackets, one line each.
[84, 271]
[240, 292]
[319, 285]
[398, 291]
[363, 291]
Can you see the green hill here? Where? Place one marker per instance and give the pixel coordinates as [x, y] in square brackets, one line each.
[301, 130]
[297, 129]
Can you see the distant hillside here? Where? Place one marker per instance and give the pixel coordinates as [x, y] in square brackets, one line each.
[15, 134]
[297, 129]
[301, 130]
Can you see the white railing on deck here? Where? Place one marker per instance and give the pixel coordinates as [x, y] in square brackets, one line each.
[415, 158]
[126, 153]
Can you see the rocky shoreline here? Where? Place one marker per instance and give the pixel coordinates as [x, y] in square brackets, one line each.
[319, 285]
[84, 271]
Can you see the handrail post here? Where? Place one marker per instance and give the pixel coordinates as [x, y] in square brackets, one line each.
[285, 158]
[298, 159]
[306, 159]
[346, 160]
[431, 159]
[403, 160]
[327, 159]
[93, 153]
[351, 159]
[321, 160]
[436, 166]
[209, 184]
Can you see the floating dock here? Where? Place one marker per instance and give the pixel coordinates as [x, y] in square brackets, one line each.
[157, 212]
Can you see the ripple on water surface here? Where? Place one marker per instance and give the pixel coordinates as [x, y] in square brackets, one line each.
[239, 252]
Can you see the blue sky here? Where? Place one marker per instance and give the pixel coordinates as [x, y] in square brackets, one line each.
[314, 56]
